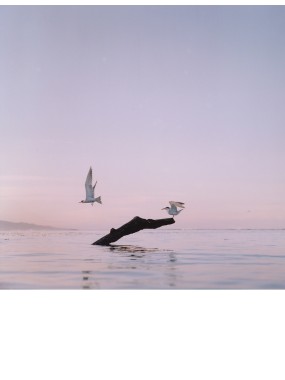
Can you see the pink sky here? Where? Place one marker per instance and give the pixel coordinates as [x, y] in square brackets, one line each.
[165, 103]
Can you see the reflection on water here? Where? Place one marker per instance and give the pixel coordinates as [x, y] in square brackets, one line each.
[88, 280]
[130, 248]
[162, 259]
[87, 284]
[85, 278]
[133, 251]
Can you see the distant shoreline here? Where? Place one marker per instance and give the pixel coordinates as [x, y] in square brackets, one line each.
[22, 226]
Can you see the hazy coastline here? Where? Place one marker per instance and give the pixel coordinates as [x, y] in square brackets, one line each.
[23, 226]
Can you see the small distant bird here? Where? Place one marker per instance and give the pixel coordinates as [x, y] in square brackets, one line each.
[172, 210]
[90, 197]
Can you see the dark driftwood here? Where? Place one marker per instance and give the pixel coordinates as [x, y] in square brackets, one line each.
[134, 225]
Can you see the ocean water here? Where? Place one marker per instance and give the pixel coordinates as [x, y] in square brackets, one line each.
[150, 259]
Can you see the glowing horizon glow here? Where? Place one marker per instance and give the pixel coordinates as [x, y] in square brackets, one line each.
[179, 102]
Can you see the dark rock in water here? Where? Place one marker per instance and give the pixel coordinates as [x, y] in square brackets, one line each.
[134, 225]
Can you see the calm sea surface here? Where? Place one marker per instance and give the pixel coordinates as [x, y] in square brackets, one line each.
[151, 259]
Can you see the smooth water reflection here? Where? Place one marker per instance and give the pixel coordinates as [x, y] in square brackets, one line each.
[161, 259]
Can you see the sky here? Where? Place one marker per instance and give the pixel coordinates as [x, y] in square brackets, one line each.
[182, 103]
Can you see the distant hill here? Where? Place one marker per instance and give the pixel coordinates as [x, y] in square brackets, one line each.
[8, 226]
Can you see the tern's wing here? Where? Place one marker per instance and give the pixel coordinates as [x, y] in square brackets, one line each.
[88, 185]
[176, 204]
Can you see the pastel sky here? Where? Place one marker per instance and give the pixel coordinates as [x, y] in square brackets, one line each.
[180, 103]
